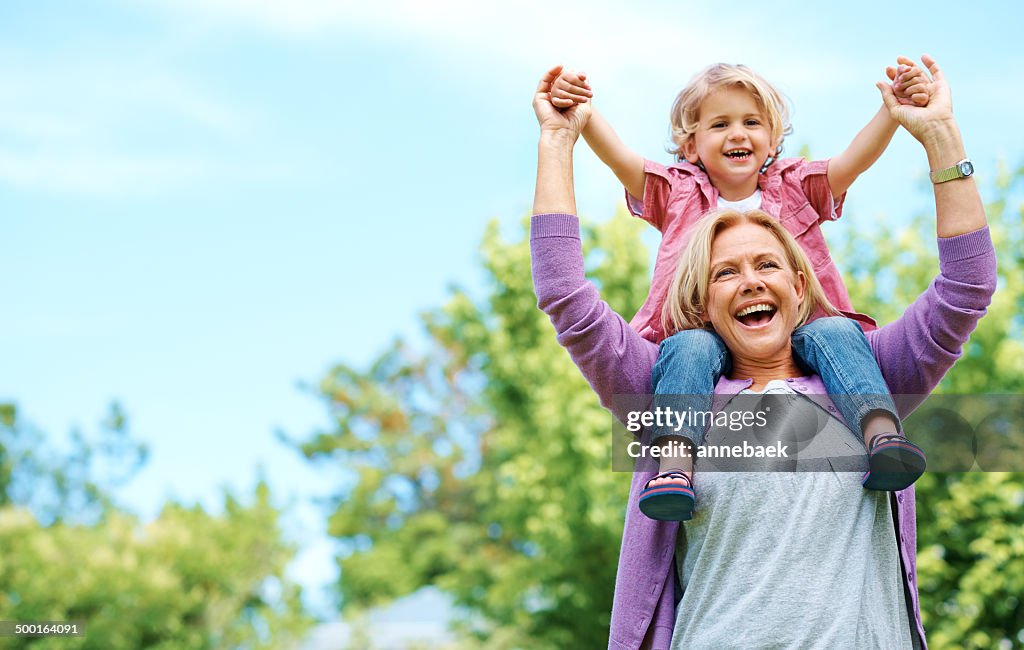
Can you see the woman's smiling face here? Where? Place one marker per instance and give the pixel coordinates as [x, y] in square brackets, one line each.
[754, 294]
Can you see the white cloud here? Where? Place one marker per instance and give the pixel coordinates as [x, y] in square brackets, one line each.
[522, 29]
[627, 46]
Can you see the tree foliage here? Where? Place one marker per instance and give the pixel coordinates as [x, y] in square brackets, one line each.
[481, 465]
[188, 579]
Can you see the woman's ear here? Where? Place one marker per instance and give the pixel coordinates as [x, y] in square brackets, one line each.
[801, 287]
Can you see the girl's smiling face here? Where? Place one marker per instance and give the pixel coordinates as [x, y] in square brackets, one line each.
[732, 141]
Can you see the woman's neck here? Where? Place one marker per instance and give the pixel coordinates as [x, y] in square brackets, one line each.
[763, 371]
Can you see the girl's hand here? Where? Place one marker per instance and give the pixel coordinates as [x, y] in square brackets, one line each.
[909, 82]
[570, 88]
[922, 121]
[568, 122]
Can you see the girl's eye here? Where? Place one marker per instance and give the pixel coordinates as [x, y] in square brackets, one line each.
[753, 123]
[718, 125]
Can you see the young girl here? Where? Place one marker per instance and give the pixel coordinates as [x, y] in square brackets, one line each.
[728, 126]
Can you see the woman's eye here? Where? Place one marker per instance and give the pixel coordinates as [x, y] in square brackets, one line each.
[769, 265]
[723, 273]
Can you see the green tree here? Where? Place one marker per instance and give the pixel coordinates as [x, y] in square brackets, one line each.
[481, 464]
[188, 579]
[74, 484]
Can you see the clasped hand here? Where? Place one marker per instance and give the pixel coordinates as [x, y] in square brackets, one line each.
[570, 121]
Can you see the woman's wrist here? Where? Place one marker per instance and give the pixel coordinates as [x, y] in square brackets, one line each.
[557, 139]
[943, 144]
[554, 192]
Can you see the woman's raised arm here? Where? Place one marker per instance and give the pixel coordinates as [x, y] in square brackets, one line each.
[917, 350]
[613, 358]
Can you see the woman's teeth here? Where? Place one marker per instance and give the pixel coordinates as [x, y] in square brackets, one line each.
[751, 309]
[756, 315]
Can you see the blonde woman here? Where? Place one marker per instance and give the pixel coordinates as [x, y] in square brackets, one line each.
[829, 565]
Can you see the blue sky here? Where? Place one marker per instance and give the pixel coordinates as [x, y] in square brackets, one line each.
[206, 203]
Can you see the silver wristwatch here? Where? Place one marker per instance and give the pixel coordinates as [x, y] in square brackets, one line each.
[962, 169]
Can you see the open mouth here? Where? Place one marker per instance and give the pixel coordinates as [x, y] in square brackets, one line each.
[738, 154]
[756, 315]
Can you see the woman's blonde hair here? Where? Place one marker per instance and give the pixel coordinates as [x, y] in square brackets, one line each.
[686, 109]
[688, 295]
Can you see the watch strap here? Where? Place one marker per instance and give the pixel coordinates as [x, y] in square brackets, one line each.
[949, 173]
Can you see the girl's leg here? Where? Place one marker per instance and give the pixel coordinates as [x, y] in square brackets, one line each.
[838, 351]
[688, 365]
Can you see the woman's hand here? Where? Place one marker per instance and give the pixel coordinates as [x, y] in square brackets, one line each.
[958, 207]
[569, 122]
[923, 122]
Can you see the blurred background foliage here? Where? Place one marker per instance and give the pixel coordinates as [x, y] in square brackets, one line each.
[478, 463]
[189, 579]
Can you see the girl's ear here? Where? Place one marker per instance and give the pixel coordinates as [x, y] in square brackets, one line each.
[776, 152]
[690, 150]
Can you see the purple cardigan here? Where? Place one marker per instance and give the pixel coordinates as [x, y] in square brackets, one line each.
[914, 353]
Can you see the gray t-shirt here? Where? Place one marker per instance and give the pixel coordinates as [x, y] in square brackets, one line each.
[804, 559]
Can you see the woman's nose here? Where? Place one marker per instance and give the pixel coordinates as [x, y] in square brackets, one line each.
[751, 282]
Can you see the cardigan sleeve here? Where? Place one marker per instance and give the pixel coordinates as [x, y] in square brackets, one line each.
[613, 358]
[917, 350]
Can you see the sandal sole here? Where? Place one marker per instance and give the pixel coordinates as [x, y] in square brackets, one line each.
[667, 503]
[894, 467]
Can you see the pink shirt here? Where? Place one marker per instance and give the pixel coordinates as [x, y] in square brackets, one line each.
[794, 191]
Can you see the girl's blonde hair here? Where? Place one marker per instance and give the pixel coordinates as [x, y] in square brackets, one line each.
[688, 295]
[686, 108]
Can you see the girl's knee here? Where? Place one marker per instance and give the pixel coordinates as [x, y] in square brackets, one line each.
[832, 325]
[692, 342]
[690, 351]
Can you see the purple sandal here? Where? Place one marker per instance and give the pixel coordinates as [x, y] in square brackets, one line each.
[669, 502]
[894, 463]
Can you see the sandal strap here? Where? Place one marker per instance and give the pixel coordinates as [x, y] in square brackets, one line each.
[672, 473]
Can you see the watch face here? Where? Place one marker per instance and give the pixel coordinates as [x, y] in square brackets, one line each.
[966, 168]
